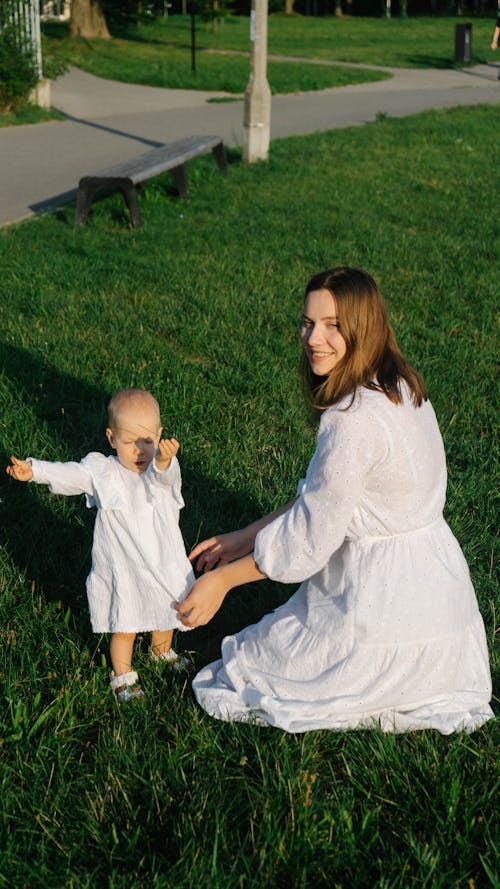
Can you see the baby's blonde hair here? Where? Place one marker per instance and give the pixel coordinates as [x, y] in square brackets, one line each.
[125, 397]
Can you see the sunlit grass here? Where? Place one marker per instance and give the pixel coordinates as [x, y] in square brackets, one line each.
[201, 306]
[159, 52]
[161, 64]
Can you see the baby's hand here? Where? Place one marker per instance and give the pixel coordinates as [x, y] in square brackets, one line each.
[20, 470]
[168, 448]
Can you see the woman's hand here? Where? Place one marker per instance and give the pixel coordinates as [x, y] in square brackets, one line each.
[209, 591]
[20, 470]
[224, 548]
[203, 600]
[221, 549]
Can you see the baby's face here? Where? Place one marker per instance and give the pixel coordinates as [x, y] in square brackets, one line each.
[136, 436]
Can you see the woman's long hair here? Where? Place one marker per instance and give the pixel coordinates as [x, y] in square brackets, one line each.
[373, 359]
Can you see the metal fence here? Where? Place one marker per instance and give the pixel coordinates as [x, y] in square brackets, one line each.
[23, 17]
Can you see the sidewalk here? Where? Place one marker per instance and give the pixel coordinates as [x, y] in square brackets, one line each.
[109, 122]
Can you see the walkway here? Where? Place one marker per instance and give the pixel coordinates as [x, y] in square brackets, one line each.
[108, 122]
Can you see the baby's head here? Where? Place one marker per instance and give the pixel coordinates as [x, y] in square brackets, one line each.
[134, 428]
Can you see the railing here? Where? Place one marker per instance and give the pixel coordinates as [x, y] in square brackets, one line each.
[24, 18]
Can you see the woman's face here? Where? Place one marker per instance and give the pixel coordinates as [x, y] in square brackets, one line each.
[321, 338]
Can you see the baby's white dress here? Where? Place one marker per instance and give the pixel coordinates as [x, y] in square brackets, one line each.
[385, 628]
[139, 563]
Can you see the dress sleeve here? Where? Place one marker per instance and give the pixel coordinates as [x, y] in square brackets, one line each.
[300, 542]
[168, 478]
[63, 478]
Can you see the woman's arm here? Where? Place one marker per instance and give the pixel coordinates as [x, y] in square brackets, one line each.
[209, 591]
[224, 548]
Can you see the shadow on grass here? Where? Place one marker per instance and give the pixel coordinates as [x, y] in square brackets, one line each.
[446, 63]
[426, 61]
[50, 537]
[118, 30]
[55, 30]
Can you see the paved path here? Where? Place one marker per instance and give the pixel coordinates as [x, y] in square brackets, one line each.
[108, 122]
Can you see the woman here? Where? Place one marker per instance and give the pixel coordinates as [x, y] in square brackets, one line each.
[384, 628]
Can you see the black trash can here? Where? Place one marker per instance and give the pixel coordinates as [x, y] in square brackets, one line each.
[463, 42]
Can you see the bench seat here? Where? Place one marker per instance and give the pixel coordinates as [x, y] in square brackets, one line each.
[129, 175]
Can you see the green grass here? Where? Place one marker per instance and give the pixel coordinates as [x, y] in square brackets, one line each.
[150, 57]
[28, 114]
[170, 66]
[201, 306]
[158, 53]
[423, 42]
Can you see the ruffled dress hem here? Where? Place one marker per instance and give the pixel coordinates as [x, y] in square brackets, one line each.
[231, 706]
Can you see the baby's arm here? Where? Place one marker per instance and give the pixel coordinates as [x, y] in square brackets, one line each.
[20, 470]
[165, 472]
[167, 448]
[62, 478]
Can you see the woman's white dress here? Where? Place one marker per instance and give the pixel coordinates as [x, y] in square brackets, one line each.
[139, 563]
[384, 628]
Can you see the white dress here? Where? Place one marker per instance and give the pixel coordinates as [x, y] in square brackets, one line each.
[384, 629]
[139, 563]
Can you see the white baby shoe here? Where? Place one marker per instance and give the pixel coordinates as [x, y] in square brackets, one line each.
[178, 662]
[126, 686]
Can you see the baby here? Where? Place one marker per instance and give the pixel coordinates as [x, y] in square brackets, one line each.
[139, 563]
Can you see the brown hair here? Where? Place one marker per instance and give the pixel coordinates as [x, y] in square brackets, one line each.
[373, 359]
[124, 396]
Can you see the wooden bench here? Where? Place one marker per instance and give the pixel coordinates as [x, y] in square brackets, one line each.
[128, 176]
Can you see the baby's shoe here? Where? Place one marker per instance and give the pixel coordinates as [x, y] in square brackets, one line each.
[177, 662]
[126, 687]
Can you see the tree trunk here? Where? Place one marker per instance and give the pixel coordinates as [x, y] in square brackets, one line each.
[87, 20]
[289, 7]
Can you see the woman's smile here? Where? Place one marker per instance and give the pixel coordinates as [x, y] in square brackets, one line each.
[322, 340]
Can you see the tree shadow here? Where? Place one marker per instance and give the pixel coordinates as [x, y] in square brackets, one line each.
[49, 538]
[427, 61]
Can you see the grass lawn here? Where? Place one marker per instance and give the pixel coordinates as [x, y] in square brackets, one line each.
[29, 114]
[159, 54]
[158, 64]
[423, 42]
[202, 306]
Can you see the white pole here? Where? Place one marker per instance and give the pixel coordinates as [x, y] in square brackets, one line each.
[36, 37]
[257, 115]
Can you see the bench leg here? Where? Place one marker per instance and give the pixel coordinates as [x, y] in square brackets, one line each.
[220, 156]
[130, 196]
[84, 200]
[181, 180]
